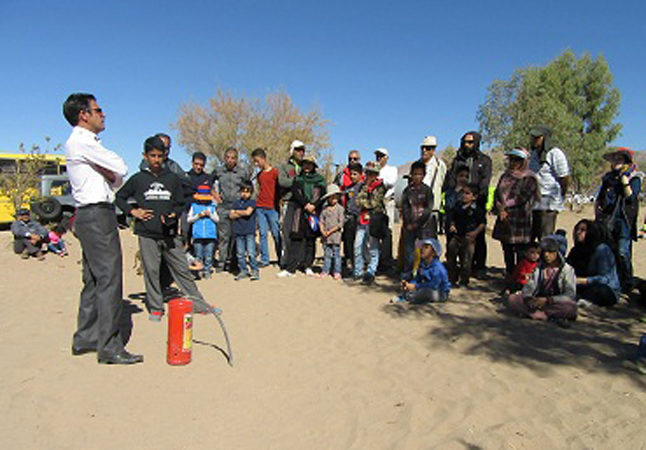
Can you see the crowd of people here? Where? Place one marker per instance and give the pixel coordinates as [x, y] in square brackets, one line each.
[193, 224]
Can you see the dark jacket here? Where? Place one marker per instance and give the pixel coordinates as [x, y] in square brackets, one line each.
[24, 230]
[299, 228]
[163, 194]
[613, 204]
[198, 179]
[229, 182]
[286, 174]
[479, 166]
[417, 205]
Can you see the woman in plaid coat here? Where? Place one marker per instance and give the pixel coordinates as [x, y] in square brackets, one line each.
[513, 201]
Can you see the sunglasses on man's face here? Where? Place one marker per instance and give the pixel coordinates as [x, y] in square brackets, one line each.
[354, 159]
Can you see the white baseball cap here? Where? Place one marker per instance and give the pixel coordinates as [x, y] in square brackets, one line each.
[382, 151]
[429, 141]
[294, 145]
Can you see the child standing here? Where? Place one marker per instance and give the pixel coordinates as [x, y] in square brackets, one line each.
[56, 243]
[159, 202]
[523, 271]
[417, 208]
[551, 290]
[331, 224]
[431, 284]
[371, 204]
[243, 215]
[464, 223]
[350, 193]
[204, 217]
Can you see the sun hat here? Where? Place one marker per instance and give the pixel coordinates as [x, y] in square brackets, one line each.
[309, 158]
[332, 189]
[381, 151]
[203, 193]
[371, 166]
[540, 131]
[429, 141]
[624, 151]
[294, 145]
[519, 153]
[437, 247]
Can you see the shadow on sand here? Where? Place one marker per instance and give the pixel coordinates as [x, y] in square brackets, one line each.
[599, 341]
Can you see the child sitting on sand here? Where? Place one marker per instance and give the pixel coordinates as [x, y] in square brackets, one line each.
[56, 243]
[431, 284]
[551, 290]
[523, 270]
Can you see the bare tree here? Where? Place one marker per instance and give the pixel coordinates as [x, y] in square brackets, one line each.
[248, 123]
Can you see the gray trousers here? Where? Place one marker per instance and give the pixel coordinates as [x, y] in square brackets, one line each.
[101, 297]
[152, 251]
[543, 223]
[285, 227]
[22, 244]
[225, 236]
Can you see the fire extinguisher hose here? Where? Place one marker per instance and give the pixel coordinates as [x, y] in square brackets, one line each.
[217, 313]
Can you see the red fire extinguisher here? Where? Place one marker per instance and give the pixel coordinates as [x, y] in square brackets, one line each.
[180, 331]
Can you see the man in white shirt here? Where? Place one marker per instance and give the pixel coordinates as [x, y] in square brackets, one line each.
[388, 175]
[550, 165]
[434, 178]
[95, 173]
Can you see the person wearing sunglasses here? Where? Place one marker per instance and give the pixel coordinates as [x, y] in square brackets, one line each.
[343, 179]
[95, 174]
[469, 155]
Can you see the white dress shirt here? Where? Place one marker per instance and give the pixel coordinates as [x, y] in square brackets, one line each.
[388, 175]
[84, 153]
[434, 178]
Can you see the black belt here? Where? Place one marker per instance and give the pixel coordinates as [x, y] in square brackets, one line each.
[101, 205]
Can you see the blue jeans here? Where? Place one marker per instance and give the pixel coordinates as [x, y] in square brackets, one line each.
[268, 221]
[57, 248]
[332, 253]
[362, 239]
[622, 238]
[204, 249]
[246, 245]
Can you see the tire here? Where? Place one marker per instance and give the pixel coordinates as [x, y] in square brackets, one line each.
[48, 209]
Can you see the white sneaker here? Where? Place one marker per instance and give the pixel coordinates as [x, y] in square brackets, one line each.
[285, 274]
[309, 272]
[583, 303]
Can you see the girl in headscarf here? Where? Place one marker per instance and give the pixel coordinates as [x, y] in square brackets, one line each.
[594, 265]
[513, 200]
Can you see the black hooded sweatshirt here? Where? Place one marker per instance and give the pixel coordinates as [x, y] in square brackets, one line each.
[161, 193]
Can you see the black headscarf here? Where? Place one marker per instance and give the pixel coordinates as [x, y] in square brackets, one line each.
[579, 257]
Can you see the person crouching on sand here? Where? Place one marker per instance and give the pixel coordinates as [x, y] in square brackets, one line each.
[431, 284]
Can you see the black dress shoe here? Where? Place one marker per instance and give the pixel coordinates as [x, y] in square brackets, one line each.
[120, 358]
[78, 351]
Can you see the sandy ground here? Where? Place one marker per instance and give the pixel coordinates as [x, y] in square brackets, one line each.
[318, 365]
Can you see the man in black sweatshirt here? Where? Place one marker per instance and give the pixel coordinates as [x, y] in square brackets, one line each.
[159, 199]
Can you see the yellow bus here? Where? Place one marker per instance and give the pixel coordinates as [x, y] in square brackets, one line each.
[54, 165]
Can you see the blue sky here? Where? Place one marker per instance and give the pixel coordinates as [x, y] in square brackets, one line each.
[384, 73]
